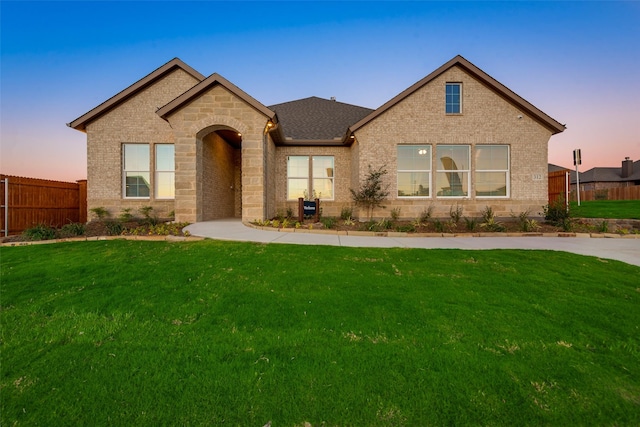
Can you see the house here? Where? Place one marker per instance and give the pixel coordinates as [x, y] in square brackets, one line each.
[604, 178]
[205, 149]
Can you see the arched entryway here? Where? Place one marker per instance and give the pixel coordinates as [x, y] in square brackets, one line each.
[220, 168]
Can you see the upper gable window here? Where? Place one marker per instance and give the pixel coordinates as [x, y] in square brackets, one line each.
[452, 98]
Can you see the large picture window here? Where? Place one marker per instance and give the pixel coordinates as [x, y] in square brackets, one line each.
[165, 171]
[453, 167]
[414, 170]
[136, 175]
[310, 177]
[492, 170]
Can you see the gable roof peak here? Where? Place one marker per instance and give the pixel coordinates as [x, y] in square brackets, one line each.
[204, 85]
[176, 63]
[503, 91]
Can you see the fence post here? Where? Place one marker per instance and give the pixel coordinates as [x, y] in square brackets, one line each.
[5, 206]
[82, 200]
[300, 210]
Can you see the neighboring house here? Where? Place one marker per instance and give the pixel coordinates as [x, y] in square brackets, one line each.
[600, 178]
[205, 149]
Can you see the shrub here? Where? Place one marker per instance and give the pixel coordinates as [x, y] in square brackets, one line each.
[114, 228]
[149, 219]
[346, 213]
[425, 215]
[603, 227]
[524, 223]
[395, 214]
[385, 224]
[557, 213]
[438, 225]
[348, 221]
[73, 229]
[40, 232]
[455, 214]
[407, 228]
[489, 221]
[471, 224]
[100, 212]
[289, 212]
[328, 222]
[125, 215]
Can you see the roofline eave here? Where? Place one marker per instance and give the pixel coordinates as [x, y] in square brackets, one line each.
[215, 79]
[81, 122]
[547, 121]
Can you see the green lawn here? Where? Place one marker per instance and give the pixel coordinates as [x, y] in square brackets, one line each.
[613, 209]
[221, 333]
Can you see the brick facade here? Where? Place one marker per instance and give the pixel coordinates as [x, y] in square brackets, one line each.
[486, 118]
[134, 121]
[217, 178]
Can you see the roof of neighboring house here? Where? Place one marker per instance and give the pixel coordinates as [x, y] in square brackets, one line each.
[317, 119]
[81, 122]
[555, 168]
[599, 174]
[211, 81]
[548, 122]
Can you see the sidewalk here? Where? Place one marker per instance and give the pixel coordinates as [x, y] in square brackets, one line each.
[621, 249]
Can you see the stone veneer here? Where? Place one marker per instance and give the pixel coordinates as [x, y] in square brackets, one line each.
[213, 110]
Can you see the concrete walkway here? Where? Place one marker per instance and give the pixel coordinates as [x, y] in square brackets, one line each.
[621, 249]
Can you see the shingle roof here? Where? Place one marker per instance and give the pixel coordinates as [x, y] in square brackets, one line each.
[599, 174]
[555, 168]
[317, 119]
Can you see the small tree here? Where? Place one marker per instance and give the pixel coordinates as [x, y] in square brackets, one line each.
[371, 193]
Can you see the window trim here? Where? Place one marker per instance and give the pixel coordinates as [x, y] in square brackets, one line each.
[467, 171]
[124, 171]
[428, 171]
[507, 173]
[459, 103]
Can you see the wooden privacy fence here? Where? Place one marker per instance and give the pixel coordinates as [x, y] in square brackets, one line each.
[619, 193]
[27, 202]
[557, 185]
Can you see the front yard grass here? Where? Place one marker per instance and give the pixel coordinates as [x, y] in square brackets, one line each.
[226, 333]
[609, 209]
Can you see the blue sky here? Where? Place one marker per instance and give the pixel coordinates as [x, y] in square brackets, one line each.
[577, 61]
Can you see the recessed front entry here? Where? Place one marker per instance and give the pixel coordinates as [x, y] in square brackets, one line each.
[221, 166]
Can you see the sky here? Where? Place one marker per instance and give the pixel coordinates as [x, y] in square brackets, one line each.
[579, 62]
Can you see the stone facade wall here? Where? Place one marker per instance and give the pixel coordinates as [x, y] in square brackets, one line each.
[134, 121]
[342, 177]
[486, 118]
[215, 109]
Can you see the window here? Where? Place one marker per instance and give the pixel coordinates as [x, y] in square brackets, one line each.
[452, 175]
[492, 170]
[136, 170]
[452, 98]
[165, 171]
[299, 177]
[414, 170]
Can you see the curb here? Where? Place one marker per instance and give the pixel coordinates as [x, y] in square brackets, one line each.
[396, 234]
